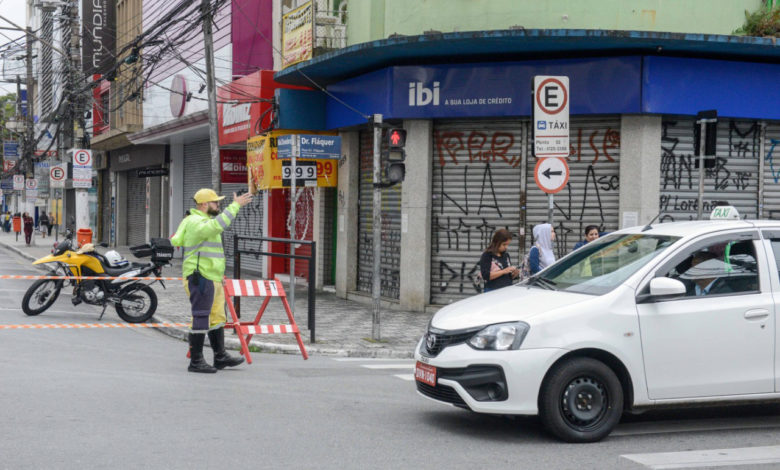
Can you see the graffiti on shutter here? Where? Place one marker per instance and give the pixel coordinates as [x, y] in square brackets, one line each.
[733, 179]
[771, 196]
[390, 266]
[248, 223]
[477, 189]
[591, 196]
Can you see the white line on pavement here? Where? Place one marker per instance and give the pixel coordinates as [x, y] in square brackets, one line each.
[708, 458]
[408, 377]
[363, 359]
[388, 366]
[698, 425]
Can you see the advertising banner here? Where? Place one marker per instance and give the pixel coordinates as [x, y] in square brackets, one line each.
[233, 164]
[298, 35]
[265, 169]
[99, 35]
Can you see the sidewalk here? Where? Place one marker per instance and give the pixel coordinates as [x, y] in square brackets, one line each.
[343, 327]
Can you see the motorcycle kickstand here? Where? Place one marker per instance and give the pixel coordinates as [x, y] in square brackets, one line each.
[103, 312]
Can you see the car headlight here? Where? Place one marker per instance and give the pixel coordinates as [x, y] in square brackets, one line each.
[500, 337]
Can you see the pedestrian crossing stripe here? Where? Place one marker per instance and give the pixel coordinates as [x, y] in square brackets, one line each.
[43, 326]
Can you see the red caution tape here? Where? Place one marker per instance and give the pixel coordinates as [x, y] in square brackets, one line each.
[104, 278]
[64, 326]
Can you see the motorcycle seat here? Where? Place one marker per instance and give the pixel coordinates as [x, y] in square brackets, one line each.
[118, 271]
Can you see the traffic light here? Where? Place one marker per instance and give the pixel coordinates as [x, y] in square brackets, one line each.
[708, 120]
[395, 168]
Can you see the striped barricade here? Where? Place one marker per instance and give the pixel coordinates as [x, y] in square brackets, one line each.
[245, 330]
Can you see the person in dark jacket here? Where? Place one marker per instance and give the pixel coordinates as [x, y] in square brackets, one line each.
[591, 233]
[28, 227]
[494, 265]
[43, 220]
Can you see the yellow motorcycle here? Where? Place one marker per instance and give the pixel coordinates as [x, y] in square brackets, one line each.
[135, 301]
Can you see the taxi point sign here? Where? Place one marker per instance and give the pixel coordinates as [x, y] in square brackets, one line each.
[551, 174]
[551, 116]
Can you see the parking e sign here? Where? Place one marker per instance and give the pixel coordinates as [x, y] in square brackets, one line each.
[82, 157]
[551, 116]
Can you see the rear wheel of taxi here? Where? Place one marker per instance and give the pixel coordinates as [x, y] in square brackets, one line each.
[581, 400]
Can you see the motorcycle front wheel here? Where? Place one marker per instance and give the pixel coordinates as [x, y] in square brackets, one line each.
[137, 306]
[40, 296]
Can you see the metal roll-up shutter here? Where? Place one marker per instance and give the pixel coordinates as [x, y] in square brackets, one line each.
[733, 180]
[390, 266]
[477, 189]
[591, 196]
[249, 223]
[771, 153]
[197, 170]
[136, 209]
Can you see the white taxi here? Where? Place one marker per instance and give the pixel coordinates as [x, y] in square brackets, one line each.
[664, 315]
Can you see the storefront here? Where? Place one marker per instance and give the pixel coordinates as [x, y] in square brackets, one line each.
[470, 162]
[138, 193]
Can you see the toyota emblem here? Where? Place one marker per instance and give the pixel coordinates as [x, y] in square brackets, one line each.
[430, 341]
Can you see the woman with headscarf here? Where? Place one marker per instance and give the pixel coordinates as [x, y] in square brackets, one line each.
[541, 254]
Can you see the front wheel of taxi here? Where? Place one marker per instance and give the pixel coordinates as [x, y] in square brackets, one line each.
[581, 400]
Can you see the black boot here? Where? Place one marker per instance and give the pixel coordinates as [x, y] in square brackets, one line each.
[197, 363]
[221, 358]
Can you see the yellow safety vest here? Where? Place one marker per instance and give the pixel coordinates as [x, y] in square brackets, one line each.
[201, 238]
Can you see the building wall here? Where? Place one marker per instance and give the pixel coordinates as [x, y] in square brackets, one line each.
[377, 19]
[128, 26]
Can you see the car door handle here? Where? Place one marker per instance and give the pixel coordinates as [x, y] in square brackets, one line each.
[756, 314]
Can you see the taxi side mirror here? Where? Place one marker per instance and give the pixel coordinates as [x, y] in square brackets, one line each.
[662, 288]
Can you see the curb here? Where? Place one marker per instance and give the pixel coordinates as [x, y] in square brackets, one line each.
[264, 347]
[275, 348]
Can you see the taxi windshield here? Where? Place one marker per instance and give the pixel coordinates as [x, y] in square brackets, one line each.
[602, 265]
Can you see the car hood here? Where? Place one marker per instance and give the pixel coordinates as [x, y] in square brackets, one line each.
[515, 303]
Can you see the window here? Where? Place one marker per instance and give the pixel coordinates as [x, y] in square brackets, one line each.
[722, 267]
[604, 264]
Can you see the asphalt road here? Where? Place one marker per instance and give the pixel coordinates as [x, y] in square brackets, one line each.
[121, 398]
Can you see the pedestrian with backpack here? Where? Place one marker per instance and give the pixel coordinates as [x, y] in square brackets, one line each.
[494, 265]
[541, 254]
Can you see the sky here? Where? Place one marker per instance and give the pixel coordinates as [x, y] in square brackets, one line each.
[14, 10]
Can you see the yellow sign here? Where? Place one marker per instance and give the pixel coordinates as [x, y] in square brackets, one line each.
[265, 169]
[297, 35]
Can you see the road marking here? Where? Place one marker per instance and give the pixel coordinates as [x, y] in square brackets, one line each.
[408, 377]
[363, 359]
[695, 425]
[388, 366]
[43, 326]
[708, 458]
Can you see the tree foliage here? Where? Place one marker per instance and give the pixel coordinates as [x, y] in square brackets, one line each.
[763, 22]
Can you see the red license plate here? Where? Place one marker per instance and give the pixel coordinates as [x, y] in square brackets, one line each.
[425, 374]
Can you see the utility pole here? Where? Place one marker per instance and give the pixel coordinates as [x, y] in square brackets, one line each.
[208, 38]
[29, 145]
[377, 227]
[82, 197]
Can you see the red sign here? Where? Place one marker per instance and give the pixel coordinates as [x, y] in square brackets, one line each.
[233, 164]
[241, 104]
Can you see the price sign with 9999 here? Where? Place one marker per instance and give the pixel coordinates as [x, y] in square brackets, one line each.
[305, 173]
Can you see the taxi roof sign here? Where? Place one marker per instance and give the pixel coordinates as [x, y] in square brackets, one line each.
[724, 213]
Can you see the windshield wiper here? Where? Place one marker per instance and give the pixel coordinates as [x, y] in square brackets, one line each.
[543, 282]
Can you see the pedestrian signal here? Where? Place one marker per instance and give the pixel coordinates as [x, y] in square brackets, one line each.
[395, 168]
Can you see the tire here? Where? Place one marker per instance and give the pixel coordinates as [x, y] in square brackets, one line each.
[40, 296]
[581, 400]
[143, 313]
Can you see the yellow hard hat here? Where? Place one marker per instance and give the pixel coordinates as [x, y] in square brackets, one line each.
[207, 195]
